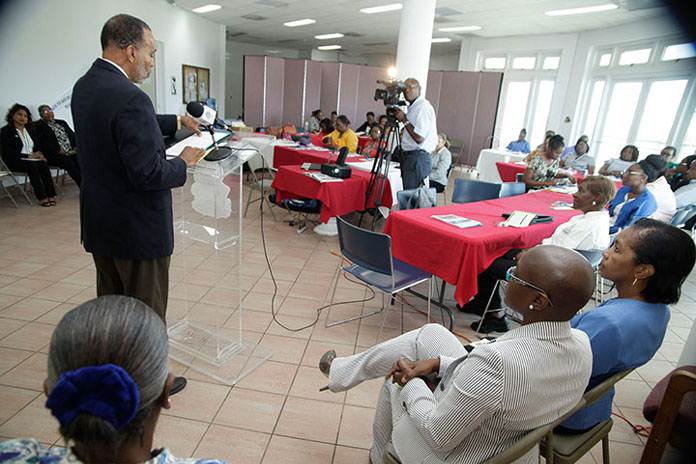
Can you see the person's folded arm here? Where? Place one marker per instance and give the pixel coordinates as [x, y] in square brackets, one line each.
[474, 397]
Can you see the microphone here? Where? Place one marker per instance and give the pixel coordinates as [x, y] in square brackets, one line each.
[207, 117]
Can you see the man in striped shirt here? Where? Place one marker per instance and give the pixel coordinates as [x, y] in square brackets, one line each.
[447, 405]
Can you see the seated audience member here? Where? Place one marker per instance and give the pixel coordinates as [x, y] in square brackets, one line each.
[442, 160]
[382, 121]
[579, 158]
[587, 231]
[677, 176]
[334, 115]
[571, 149]
[20, 150]
[664, 197]
[616, 167]
[325, 128]
[547, 135]
[443, 404]
[686, 194]
[648, 263]
[108, 381]
[315, 120]
[669, 153]
[342, 136]
[369, 150]
[369, 124]
[520, 145]
[542, 169]
[538, 149]
[633, 200]
[58, 142]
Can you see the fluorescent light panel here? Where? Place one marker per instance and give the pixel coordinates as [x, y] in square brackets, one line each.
[441, 39]
[329, 47]
[460, 28]
[300, 22]
[335, 35]
[207, 8]
[583, 10]
[382, 9]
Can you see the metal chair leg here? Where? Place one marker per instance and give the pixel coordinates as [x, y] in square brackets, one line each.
[485, 311]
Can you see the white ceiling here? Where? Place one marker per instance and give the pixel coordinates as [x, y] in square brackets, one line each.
[378, 33]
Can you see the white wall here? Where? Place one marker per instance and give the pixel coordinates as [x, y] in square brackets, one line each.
[448, 62]
[234, 71]
[46, 45]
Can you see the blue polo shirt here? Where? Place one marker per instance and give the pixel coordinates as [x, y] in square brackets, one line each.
[624, 334]
[521, 146]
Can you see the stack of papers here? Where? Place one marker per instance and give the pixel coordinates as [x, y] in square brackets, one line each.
[456, 221]
[519, 219]
[318, 176]
[203, 141]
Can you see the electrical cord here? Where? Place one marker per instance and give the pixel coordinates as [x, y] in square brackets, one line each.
[641, 430]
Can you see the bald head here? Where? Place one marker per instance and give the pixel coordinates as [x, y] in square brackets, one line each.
[564, 274]
[413, 89]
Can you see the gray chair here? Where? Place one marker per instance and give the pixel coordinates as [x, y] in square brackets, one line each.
[470, 190]
[511, 189]
[7, 175]
[683, 215]
[594, 257]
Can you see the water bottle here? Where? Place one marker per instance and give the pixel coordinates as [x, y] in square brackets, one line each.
[306, 127]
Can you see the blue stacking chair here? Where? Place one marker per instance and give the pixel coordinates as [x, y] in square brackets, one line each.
[372, 262]
[594, 257]
[511, 189]
[470, 190]
[683, 215]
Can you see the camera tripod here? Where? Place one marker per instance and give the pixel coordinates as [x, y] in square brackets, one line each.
[379, 174]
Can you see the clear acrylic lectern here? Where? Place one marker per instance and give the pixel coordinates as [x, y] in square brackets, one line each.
[209, 336]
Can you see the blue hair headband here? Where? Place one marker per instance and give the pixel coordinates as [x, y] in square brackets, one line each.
[104, 391]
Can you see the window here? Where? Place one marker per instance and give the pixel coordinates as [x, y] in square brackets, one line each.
[497, 62]
[593, 109]
[630, 57]
[658, 114]
[619, 119]
[524, 62]
[551, 62]
[679, 52]
[514, 110]
[688, 146]
[541, 110]
[605, 59]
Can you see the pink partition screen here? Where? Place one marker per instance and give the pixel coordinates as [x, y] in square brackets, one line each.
[253, 90]
[293, 91]
[313, 88]
[348, 91]
[275, 72]
[486, 110]
[432, 90]
[328, 99]
[367, 84]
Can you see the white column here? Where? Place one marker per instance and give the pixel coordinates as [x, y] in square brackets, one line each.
[688, 356]
[415, 34]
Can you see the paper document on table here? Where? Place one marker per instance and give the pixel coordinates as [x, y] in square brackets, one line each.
[456, 221]
[318, 176]
[569, 189]
[518, 219]
[205, 141]
[562, 205]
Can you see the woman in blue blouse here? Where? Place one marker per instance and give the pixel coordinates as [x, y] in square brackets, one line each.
[108, 380]
[648, 262]
[633, 200]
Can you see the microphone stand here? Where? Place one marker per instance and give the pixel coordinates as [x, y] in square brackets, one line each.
[218, 153]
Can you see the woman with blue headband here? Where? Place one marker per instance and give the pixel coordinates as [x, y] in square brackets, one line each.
[108, 380]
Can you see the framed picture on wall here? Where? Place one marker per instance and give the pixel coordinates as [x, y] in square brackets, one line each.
[189, 79]
[203, 84]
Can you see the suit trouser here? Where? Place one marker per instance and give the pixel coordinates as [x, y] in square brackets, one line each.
[486, 283]
[415, 166]
[428, 342]
[144, 279]
[67, 162]
[39, 175]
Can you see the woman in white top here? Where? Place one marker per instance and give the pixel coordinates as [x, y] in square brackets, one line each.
[664, 196]
[616, 167]
[442, 160]
[579, 158]
[588, 231]
[21, 153]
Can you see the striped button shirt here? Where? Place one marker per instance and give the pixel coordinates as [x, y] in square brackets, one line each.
[491, 398]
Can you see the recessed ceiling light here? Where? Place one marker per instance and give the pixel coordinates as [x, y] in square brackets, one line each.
[300, 22]
[207, 8]
[382, 9]
[335, 35]
[460, 28]
[329, 47]
[441, 40]
[587, 9]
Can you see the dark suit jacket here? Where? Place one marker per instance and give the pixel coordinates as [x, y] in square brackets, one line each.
[49, 141]
[11, 144]
[125, 196]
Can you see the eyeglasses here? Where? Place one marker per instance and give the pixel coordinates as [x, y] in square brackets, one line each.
[635, 173]
[511, 276]
[46, 111]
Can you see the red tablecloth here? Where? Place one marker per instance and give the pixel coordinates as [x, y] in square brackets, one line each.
[459, 255]
[362, 141]
[337, 198]
[509, 171]
[288, 156]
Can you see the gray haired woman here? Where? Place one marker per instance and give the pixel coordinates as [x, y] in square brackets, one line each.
[108, 380]
[442, 160]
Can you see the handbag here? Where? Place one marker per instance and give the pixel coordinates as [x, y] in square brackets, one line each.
[421, 197]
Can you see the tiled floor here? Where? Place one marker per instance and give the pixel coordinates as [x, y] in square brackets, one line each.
[276, 414]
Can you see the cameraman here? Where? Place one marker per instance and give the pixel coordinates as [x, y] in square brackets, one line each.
[420, 137]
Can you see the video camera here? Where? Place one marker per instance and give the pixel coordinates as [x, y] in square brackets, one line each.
[391, 95]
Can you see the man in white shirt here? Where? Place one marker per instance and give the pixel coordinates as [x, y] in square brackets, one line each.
[420, 136]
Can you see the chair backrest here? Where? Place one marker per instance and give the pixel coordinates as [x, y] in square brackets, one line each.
[257, 162]
[511, 189]
[682, 215]
[592, 256]
[519, 176]
[371, 250]
[601, 389]
[470, 190]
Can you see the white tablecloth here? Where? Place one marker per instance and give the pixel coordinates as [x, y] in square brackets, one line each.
[488, 157]
[394, 176]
